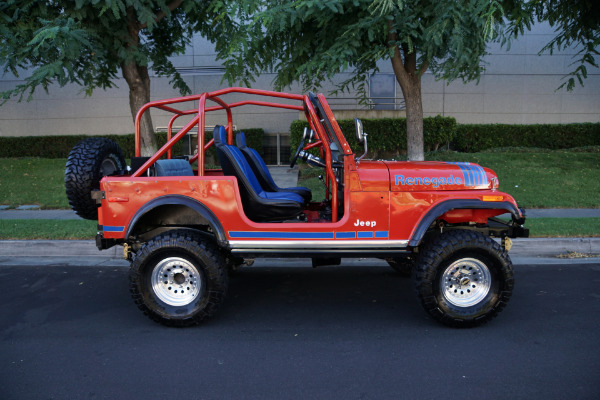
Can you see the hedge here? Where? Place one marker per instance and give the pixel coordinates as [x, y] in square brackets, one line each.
[60, 146]
[475, 138]
[387, 136]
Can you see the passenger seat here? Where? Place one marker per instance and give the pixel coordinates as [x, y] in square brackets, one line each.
[259, 205]
[259, 167]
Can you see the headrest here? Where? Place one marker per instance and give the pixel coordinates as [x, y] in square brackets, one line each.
[240, 139]
[220, 134]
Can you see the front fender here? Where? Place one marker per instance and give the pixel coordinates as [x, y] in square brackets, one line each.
[439, 209]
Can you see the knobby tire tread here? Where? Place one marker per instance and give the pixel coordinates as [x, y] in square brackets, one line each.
[82, 173]
[440, 249]
[205, 252]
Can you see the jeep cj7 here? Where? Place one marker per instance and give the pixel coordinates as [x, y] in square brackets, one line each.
[184, 226]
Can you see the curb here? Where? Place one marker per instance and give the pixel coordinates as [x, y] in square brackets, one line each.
[548, 247]
[57, 248]
[536, 247]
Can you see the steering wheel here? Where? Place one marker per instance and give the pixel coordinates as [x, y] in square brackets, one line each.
[297, 153]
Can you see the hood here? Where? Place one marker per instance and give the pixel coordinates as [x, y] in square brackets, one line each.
[438, 175]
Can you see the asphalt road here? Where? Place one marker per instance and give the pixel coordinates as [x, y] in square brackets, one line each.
[70, 332]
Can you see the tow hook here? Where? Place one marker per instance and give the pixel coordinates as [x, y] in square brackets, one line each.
[506, 243]
[126, 251]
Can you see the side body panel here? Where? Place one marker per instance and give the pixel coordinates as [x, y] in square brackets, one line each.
[365, 220]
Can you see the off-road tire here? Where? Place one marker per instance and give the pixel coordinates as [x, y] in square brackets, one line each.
[402, 265]
[463, 278]
[195, 284]
[88, 162]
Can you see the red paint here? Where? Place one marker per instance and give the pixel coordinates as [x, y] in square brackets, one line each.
[378, 196]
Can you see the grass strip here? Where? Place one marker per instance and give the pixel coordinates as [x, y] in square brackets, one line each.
[83, 229]
[47, 229]
[541, 179]
[33, 181]
[563, 227]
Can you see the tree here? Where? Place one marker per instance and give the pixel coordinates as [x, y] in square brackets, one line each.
[312, 40]
[88, 42]
[577, 24]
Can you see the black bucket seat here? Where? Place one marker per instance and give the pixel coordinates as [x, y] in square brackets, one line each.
[259, 205]
[259, 167]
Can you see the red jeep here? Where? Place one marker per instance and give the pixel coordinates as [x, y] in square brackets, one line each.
[184, 226]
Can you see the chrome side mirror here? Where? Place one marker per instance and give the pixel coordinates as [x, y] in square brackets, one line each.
[360, 134]
[361, 137]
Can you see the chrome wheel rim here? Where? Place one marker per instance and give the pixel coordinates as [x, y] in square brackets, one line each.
[176, 281]
[466, 282]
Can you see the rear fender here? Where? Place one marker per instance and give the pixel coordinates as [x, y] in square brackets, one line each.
[170, 210]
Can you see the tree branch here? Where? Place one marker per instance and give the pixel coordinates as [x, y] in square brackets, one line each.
[397, 64]
[159, 16]
[423, 68]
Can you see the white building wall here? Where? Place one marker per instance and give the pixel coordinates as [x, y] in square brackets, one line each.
[518, 87]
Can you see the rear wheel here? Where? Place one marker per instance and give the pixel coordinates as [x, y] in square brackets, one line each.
[463, 278]
[89, 161]
[178, 278]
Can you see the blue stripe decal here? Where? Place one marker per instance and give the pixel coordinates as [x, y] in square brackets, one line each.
[345, 235]
[479, 175]
[474, 175]
[281, 235]
[466, 176]
[484, 180]
[309, 235]
[468, 172]
[107, 228]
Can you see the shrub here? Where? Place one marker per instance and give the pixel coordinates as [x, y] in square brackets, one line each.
[476, 138]
[387, 136]
[60, 146]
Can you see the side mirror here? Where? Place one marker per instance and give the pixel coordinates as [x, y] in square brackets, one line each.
[360, 134]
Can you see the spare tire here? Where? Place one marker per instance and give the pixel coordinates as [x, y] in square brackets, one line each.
[88, 162]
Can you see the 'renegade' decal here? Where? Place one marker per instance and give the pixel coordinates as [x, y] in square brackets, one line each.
[472, 175]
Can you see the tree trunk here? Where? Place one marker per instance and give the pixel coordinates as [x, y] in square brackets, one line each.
[414, 119]
[139, 94]
[410, 83]
[409, 78]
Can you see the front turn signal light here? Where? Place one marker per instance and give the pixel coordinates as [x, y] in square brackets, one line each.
[493, 198]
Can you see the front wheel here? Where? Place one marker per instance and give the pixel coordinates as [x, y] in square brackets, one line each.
[463, 278]
[178, 278]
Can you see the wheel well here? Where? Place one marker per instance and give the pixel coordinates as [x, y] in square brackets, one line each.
[459, 207]
[174, 212]
[168, 215]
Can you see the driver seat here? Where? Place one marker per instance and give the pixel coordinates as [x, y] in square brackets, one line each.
[259, 205]
[259, 167]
